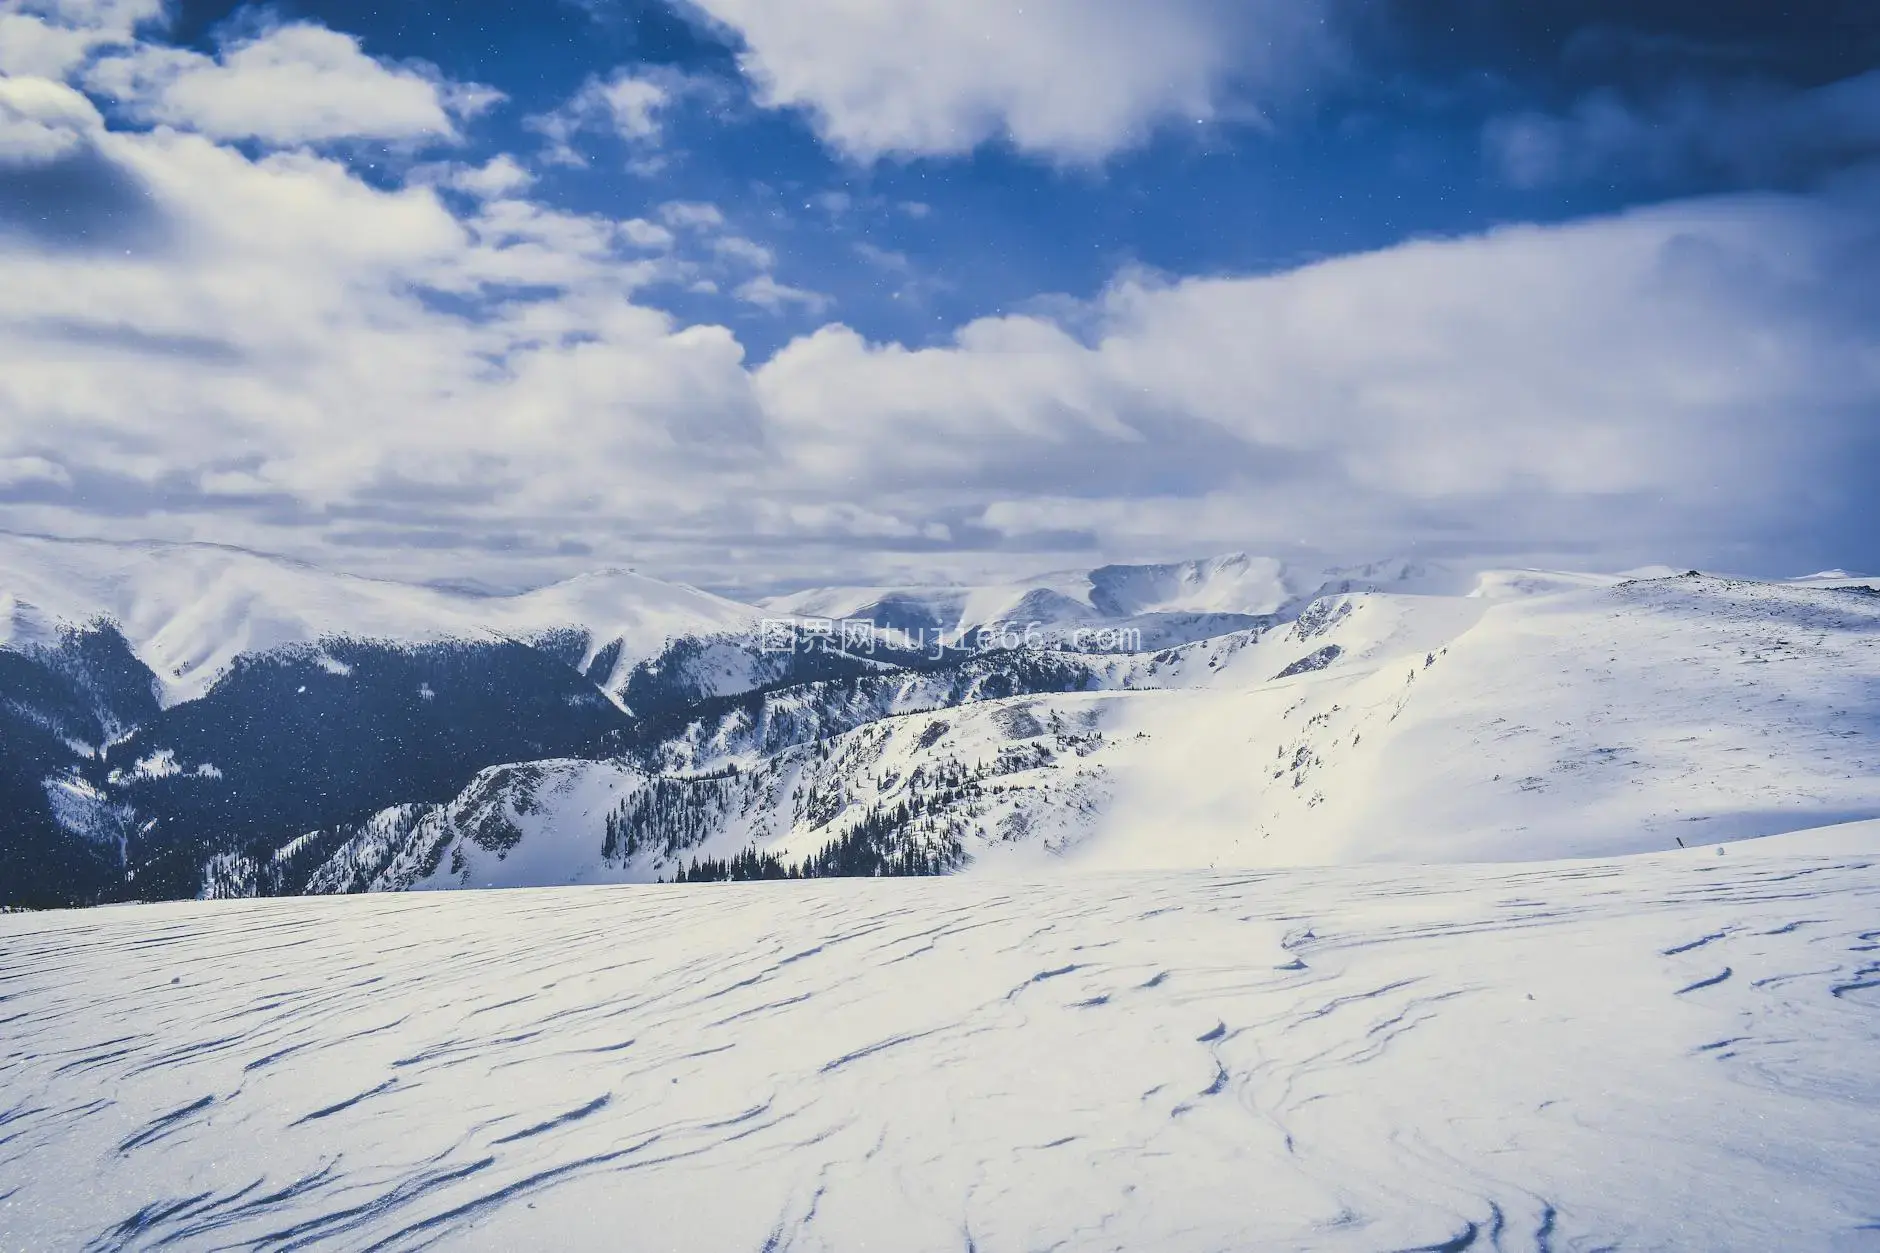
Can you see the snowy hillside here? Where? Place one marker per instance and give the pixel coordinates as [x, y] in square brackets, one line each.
[1665, 1052]
[1579, 723]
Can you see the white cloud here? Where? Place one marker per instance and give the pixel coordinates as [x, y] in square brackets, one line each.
[50, 38]
[502, 175]
[630, 105]
[647, 234]
[839, 519]
[691, 214]
[289, 343]
[766, 292]
[17, 470]
[633, 104]
[1690, 370]
[1700, 370]
[744, 251]
[884, 258]
[1072, 80]
[295, 84]
[41, 121]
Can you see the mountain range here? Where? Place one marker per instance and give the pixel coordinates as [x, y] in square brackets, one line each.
[185, 720]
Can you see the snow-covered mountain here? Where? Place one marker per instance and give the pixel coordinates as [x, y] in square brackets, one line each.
[1545, 716]
[189, 610]
[322, 733]
[160, 703]
[1168, 604]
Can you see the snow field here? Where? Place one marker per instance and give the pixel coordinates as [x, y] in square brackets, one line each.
[1663, 1052]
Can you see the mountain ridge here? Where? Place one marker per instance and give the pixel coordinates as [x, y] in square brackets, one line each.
[326, 732]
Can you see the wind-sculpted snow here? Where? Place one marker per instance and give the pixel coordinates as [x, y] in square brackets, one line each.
[1673, 1052]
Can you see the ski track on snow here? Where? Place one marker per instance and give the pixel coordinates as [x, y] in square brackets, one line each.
[1524, 1057]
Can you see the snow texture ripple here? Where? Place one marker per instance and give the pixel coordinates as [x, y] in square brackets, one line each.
[1664, 1052]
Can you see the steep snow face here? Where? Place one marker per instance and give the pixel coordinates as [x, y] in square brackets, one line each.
[190, 610]
[531, 823]
[1672, 1052]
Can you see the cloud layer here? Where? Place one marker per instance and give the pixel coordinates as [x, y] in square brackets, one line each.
[444, 376]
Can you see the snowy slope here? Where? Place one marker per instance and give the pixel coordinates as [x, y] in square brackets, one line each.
[530, 823]
[1670, 1052]
[1581, 723]
[188, 610]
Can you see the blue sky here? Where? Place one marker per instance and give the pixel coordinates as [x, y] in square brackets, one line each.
[758, 293]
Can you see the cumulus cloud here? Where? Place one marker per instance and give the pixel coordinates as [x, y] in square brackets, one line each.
[50, 38]
[766, 292]
[294, 84]
[42, 121]
[691, 214]
[342, 369]
[502, 175]
[744, 251]
[1071, 80]
[840, 520]
[629, 105]
[317, 338]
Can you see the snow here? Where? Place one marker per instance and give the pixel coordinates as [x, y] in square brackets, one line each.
[188, 610]
[1237, 584]
[1671, 1051]
[81, 808]
[158, 765]
[1590, 722]
[1233, 584]
[540, 823]
[617, 607]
